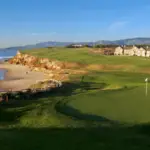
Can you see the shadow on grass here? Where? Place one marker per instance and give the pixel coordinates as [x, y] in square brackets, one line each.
[105, 138]
[23, 101]
[68, 89]
[63, 108]
[69, 111]
[10, 116]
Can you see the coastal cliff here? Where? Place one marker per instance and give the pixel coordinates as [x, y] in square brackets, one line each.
[34, 62]
[54, 69]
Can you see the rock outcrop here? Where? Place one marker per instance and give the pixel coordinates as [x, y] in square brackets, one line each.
[34, 62]
[54, 69]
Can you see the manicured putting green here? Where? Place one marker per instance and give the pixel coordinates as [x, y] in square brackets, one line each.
[127, 105]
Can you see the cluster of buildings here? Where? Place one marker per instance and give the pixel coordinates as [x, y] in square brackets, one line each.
[143, 51]
[132, 51]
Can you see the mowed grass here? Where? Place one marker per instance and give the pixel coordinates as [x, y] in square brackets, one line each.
[122, 98]
[108, 110]
[123, 106]
[82, 55]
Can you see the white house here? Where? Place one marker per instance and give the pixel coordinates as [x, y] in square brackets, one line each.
[140, 52]
[143, 52]
[148, 53]
[118, 50]
[136, 50]
[129, 50]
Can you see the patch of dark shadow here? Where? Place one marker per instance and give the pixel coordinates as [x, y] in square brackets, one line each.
[124, 88]
[142, 129]
[71, 87]
[79, 138]
[11, 116]
[20, 99]
[76, 114]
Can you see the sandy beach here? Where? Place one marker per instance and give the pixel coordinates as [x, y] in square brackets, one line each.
[18, 77]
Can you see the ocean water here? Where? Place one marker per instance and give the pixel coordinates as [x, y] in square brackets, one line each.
[2, 73]
[6, 54]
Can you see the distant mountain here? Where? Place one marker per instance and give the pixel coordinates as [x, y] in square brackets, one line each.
[45, 44]
[104, 42]
[38, 45]
[133, 41]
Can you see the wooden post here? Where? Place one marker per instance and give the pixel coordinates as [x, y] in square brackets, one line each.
[146, 89]
[6, 98]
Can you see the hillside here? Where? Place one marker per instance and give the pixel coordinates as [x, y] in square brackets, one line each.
[132, 41]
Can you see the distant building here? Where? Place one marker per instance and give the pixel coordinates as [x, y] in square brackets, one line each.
[77, 45]
[119, 50]
[108, 51]
[129, 50]
[147, 51]
[143, 52]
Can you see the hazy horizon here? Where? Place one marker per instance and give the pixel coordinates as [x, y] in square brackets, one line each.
[34, 43]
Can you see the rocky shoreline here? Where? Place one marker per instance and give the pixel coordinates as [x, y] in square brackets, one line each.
[52, 68]
[29, 73]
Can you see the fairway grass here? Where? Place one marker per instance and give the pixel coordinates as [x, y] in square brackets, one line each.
[82, 55]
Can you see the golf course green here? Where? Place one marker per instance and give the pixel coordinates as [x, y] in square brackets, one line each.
[122, 98]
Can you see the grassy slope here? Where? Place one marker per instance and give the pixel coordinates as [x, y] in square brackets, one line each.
[35, 124]
[82, 55]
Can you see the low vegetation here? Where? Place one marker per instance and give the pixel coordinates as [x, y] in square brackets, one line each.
[106, 108]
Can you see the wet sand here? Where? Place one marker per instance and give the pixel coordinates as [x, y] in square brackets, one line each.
[18, 77]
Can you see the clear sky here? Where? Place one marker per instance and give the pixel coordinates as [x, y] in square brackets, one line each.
[31, 21]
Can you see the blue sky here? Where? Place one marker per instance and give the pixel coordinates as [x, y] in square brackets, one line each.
[32, 21]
